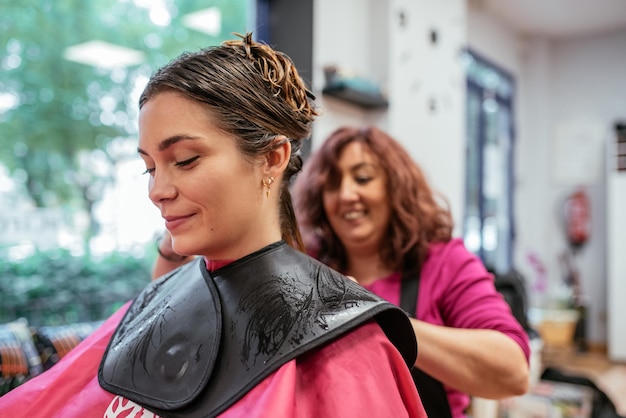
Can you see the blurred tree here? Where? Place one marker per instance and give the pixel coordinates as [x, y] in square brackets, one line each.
[58, 118]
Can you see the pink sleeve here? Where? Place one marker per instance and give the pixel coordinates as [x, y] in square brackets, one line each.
[359, 375]
[458, 284]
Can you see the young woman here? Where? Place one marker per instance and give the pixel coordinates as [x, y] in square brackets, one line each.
[366, 209]
[251, 327]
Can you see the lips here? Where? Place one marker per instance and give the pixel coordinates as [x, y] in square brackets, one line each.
[173, 222]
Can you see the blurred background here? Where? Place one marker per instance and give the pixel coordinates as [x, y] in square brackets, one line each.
[516, 109]
[76, 228]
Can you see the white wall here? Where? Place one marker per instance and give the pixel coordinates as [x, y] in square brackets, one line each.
[590, 95]
[570, 93]
[422, 74]
[348, 44]
[616, 265]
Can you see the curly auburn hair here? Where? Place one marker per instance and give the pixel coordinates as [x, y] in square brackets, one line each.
[417, 216]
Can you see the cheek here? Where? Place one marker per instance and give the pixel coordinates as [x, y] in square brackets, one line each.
[385, 212]
[378, 193]
[380, 198]
[328, 201]
[201, 187]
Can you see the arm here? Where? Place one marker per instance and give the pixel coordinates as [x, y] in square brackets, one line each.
[494, 366]
[167, 260]
[470, 340]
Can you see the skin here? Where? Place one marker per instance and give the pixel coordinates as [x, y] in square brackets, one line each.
[210, 195]
[357, 208]
[358, 211]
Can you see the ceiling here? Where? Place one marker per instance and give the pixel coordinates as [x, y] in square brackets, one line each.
[558, 18]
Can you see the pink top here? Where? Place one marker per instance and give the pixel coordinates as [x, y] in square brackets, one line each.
[456, 290]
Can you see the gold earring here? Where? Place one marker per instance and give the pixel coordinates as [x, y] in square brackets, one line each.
[266, 183]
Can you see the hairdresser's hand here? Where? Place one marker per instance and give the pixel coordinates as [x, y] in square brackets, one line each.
[167, 260]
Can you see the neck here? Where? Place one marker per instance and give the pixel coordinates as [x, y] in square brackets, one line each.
[212, 265]
[366, 268]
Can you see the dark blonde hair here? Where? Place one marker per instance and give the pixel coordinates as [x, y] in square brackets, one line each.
[417, 218]
[252, 92]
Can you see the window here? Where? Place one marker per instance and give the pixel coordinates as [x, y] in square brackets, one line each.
[72, 72]
[488, 226]
[76, 225]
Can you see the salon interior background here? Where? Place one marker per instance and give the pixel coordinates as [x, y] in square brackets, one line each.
[567, 90]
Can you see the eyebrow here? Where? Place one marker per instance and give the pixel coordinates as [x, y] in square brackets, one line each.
[363, 164]
[168, 142]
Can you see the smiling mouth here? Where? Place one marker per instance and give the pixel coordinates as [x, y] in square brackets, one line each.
[172, 222]
[353, 215]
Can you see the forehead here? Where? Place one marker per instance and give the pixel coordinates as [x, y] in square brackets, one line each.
[170, 106]
[170, 115]
[356, 153]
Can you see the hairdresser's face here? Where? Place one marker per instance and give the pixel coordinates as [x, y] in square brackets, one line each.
[356, 203]
[209, 195]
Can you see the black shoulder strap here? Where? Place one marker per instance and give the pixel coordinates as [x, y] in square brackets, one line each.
[408, 294]
[431, 390]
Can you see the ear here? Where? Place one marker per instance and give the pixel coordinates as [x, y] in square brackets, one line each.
[278, 158]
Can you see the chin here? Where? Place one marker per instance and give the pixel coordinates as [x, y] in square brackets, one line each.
[180, 248]
[353, 240]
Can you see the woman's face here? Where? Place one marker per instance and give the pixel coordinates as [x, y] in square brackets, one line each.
[209, 195]
[357, 204]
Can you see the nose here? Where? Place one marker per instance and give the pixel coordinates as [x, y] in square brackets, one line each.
[347, 190]
[160, 188]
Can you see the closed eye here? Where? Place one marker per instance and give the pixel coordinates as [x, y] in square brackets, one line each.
[363, 180]
[187, 162]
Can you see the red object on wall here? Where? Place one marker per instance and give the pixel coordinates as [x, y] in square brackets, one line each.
[578, 218]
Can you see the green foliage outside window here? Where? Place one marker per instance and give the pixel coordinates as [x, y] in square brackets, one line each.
[56, 288]
[64, 126]
[55, 112]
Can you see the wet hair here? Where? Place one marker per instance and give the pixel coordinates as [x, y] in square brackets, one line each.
[252, 92]
[418, 215]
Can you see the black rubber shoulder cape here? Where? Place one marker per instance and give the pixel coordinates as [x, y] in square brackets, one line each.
[193, 342]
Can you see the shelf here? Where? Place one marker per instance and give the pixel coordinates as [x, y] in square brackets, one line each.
[360, 98]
